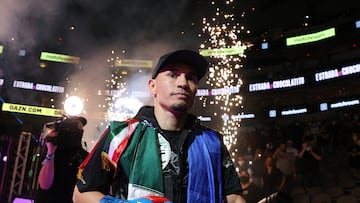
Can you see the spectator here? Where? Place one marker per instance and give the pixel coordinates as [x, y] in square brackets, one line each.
[325, 139]
[309, 160]
[272, 179]
[258, 166]
[354, 159]
[249, 154]
[243, 165]
[251, 192]
[285, 162]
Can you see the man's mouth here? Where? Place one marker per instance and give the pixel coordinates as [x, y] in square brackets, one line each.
[181, 94]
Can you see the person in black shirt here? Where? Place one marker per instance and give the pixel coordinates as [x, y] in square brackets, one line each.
[309, 158]
[354, 154]
[251, 192]
[163, 151]
[63, 155]
[272, 178]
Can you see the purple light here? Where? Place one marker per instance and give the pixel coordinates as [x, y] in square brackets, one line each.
[22, 200]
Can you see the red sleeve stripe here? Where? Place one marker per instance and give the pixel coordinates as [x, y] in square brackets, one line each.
[121, 147]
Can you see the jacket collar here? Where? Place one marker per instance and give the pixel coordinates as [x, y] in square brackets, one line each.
[146, 113]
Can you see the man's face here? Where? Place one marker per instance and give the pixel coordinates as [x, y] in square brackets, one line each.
[174, 88]
[268, 161]
[241, 160]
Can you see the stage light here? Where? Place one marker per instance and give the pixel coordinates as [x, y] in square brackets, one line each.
[73, 106]
[42, 65]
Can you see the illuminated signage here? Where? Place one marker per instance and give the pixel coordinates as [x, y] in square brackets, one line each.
[139, 94]
[38, 87]
[264, 45]
[134, 63]
[47, 56]
[120, 93]
[357, 24]
[242, 116]
[35, 110]
[272, 113]
[325, 75]
[223, 51]
[1, 82]
[293, 111]
[344, 103]
[349, 70]
[1, 49]
[200, 92]
[324, 107]
[277, 84]
[218, 91]
[302, 39]
[334, 73]
[204, 118]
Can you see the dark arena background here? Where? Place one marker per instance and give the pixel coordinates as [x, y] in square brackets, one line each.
[278, 70]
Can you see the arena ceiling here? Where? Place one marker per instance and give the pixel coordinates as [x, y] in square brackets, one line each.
[148, 27]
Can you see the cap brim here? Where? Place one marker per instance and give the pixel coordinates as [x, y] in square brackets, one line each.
[83, 120]
[76, 118]
[188, 57]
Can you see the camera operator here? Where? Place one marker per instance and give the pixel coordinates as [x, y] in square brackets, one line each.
[310, 157]
[63, 155]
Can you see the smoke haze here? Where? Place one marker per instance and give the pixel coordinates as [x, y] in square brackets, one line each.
[91, 30]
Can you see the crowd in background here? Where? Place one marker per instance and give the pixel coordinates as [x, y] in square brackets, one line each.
[316, 152]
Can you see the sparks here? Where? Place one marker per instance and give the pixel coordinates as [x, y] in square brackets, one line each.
[223, 31]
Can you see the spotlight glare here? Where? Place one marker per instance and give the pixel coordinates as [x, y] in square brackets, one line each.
[73, 105]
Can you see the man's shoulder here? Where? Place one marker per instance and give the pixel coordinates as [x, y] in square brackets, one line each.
[121, 124]
[207, 130]
[83, 152]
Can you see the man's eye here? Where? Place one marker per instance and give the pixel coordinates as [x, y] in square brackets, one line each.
[192, 77]
[173, 74]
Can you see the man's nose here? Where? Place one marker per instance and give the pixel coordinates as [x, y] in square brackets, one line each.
[182, 80]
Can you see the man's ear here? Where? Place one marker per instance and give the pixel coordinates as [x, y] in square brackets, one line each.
[151, 87]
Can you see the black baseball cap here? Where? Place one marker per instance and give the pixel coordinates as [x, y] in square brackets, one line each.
[74, 119]
[188, 57]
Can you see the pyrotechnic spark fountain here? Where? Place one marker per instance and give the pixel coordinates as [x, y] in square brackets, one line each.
[123, 100]
[116, 87]
[221, 33]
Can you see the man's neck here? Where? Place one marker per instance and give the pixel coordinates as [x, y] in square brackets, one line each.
[168, 120]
